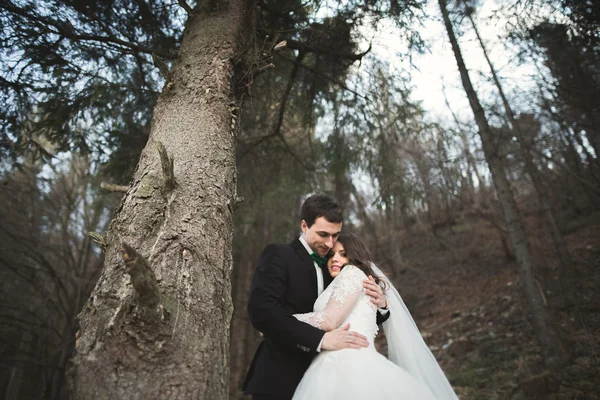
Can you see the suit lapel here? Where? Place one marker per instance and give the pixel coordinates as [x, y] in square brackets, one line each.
[308, 263]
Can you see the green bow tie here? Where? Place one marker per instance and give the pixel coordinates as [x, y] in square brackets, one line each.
[318, 259]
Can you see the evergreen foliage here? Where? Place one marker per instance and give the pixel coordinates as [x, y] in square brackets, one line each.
[79, 75]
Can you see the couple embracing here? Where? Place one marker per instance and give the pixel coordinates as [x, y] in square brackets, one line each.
[319, 301]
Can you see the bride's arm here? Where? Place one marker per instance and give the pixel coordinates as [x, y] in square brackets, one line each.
[347, 290]
[266, 303]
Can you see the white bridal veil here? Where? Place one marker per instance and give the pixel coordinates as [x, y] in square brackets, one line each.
[407, 348]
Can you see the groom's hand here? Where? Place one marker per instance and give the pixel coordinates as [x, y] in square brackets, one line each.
[375, 291]
[343, 338]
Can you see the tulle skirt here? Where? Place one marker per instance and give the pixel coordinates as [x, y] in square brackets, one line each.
[358, 374]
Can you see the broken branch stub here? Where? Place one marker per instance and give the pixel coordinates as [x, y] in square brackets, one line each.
[167, 166]
[111, 187]
[142, 277]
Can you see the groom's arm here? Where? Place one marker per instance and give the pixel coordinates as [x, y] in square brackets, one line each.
[378, 298]
[265, 305]
[382, 316]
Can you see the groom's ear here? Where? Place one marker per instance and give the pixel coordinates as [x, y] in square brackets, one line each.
[303, 226]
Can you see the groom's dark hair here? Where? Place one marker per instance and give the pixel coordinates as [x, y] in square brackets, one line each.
[321, 205]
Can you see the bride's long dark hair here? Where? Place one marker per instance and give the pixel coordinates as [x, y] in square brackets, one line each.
[359, 255]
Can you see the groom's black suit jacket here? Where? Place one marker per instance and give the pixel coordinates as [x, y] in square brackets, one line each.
[284, 283]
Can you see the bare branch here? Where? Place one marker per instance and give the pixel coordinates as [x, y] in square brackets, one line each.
[163, 68]
[286, 94]
[286, 146]
[238, 201]
[568, 170]
[111, 187]
[67, 31]
[542, 294]
[185, 6]
[282, 107]
[280, 45]
[264, 68]
[325, 76]
[235, 204]
[305, 48]
[98, 238]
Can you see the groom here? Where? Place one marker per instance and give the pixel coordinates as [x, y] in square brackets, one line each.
[288, 280]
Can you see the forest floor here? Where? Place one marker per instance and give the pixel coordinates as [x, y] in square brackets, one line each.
[465, 296]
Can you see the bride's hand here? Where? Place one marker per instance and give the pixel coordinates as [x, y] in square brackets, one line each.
[375, 291]
[343, 338]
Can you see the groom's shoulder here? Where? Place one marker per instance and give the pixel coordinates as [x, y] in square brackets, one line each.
[278, 249]
[281, 246]
[276, 254]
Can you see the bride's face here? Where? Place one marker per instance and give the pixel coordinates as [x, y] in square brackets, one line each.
[337, 260]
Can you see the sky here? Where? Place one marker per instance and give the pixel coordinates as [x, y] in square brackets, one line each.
[437, 68]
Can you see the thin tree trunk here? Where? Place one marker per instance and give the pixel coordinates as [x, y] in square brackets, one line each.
[471, 169]
[588, 156]
[448, 188]
[167, 336]
[58, 375]
[428, 191]
[16, 374]
[570, 153]
[393, 239]
[539, 187]
[552, 347]
[239, 321]
[242, 333]
[364, 216]
[471, 165]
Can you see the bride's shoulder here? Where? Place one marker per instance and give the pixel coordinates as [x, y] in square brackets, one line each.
[352, 270]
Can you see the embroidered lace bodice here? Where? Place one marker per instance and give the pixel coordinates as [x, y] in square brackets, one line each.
[345, 301]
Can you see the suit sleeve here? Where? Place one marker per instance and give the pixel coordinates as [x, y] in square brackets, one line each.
[381, 318]
[265, 305]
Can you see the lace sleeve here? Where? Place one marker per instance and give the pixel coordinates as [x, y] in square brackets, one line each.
[347, 289]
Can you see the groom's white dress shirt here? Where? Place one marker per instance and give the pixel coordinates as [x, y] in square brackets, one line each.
[320, 283]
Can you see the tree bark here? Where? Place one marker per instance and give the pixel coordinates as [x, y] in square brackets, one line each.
[180, 349]
[553, 349]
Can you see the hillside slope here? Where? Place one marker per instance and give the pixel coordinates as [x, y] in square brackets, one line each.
[466, 298]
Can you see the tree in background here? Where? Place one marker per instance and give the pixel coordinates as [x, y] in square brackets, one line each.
[574, 67]
[49, 267]
[553, 349]
[526, 129]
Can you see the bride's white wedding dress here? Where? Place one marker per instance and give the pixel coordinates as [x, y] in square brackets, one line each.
[354, 373]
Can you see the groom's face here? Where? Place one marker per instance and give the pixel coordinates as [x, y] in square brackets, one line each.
[322, 235]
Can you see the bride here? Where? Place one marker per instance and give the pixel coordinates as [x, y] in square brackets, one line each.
[411, 372]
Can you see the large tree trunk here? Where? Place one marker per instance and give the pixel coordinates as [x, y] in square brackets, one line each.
[552, 347]
[134, 344]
